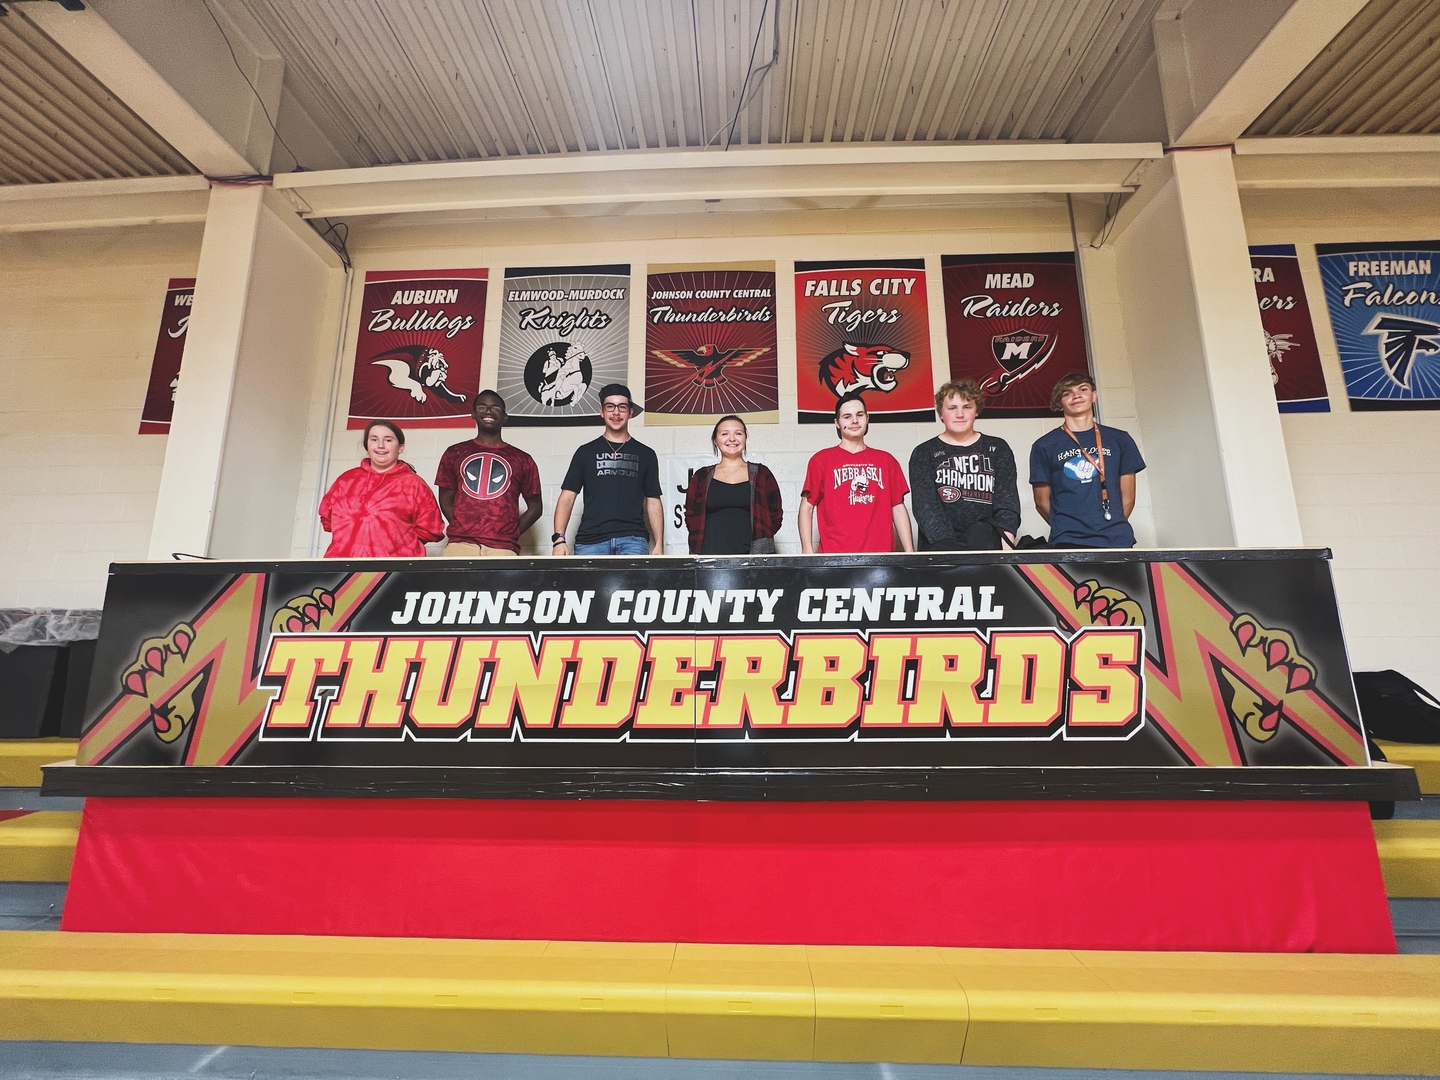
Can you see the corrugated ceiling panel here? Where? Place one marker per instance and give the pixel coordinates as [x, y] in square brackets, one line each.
[1376, 78]
[425, 80]
[58, 123]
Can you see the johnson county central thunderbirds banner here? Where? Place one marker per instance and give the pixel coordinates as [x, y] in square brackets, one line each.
[417, 352]
[169, 351]
[781, 662]
[710, 344]
[564, 333]
[863, 326]
[1014, 325]
[1384, 302]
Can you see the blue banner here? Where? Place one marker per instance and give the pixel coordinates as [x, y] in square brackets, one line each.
[1384, 302]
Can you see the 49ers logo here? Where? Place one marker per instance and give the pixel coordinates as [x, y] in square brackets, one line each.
[486, 475]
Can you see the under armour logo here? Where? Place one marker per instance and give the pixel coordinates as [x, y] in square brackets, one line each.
[1401, 338]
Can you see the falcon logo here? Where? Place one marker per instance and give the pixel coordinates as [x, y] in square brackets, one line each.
[708, 361]
[1019, 354]
[1401, 338]
[413, 368]
[863, 367]
[485, 476]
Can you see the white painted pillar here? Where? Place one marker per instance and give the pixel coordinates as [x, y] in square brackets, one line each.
[261, 332]
[1218, 468]
[185, 507]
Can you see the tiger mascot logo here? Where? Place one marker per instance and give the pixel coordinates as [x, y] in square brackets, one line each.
[863, 367]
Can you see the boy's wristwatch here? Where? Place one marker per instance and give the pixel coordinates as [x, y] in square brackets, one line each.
[557, 538]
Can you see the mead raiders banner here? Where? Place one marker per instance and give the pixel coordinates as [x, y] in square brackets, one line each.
[863, 326]
[779, 662]
[1289, 334]
[169, 350]
[1014, 324]
[417, 353]
[1384, 302]
[710, 344]
[564, 333]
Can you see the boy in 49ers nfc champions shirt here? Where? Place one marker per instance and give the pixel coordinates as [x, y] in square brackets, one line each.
[859, 492]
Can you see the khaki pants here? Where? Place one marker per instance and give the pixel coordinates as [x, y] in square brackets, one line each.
[457, 550]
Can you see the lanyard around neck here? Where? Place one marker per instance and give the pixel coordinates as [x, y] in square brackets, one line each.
[1098, 461]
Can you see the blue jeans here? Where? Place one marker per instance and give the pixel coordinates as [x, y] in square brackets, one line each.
[619, 545]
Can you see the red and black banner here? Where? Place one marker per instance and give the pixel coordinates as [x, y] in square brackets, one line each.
[417, 354]
[1145, 659]
[169, 351]
[863, 326]
[1289, 334]
[1014, 324]
[710, 344]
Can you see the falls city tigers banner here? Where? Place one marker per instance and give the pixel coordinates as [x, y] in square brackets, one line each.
[169, 350]
[1289, 334]
[710, 344]
[863, 326]
[1384, 302]
[417, 353]
[564, 333]
[1148, 659]
[1014, 324]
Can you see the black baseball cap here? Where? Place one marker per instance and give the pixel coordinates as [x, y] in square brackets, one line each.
[616, 389]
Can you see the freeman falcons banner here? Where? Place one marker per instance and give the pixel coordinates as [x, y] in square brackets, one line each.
[710, 344]
[1014, 325]
[1384, 302]
[1289, 334]
[564, 333]
[417, 354]
[1149, 659]
[863, 326]
[169, 349]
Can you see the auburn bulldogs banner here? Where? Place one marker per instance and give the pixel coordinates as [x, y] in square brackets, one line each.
[1014, 324]
[710, 344]
[1384, 302]
[564, 333]
[863, 326]
[783, 662]
[169, 349]
[1289, 334]
[417, 355]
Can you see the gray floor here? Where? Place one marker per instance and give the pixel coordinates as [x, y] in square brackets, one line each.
[118, 1061]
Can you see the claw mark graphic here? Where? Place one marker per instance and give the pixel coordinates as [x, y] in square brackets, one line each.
[171, 716]
[1107, 606]
[1260, 717]
[313, 611]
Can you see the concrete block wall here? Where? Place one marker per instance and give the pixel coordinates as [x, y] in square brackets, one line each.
[924, 228]
[1367, 484]
[77, 335]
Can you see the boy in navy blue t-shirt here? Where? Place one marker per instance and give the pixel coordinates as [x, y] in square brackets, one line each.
[1083, 473]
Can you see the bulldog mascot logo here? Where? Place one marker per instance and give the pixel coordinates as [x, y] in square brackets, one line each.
[413, 368]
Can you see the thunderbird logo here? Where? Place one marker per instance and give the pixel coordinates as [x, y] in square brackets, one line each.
[707, 363]
[1401, 338]
[1019, 354]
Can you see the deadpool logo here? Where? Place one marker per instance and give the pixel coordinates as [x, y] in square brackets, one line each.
[485, 476]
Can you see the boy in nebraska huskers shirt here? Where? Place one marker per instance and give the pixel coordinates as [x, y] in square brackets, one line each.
[859, 492]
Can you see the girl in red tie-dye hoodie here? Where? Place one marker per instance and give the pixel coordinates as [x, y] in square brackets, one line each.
[381, 508]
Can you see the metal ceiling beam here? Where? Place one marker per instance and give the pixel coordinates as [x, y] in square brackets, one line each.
[86, 204]
[1338, 161]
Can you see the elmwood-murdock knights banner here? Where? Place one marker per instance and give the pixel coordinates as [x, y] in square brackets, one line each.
[1014, 324]
[710, 344]
[1289, 335]
[863, 326]
[169, 350]
[564, 333]
[1384, 302]
[417, 353]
